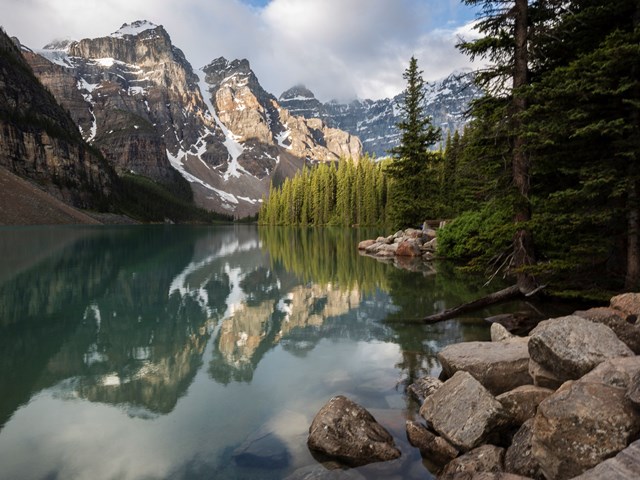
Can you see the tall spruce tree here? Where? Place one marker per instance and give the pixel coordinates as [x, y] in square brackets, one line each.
[409, 169]
[505, 43]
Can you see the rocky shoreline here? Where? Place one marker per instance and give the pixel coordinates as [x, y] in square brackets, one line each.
[560, 403]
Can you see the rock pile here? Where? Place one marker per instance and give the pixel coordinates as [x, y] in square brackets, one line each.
[411, 242]
[562, 403]
[558, 404]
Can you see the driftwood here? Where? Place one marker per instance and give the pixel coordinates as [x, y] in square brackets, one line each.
[497, 297]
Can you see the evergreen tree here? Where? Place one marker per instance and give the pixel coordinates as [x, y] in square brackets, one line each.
[505, 42]
[412, 156]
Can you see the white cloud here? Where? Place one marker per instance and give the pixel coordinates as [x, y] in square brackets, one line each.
[338, 48]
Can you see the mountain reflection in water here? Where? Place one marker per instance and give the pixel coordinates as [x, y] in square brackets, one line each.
[203, 334]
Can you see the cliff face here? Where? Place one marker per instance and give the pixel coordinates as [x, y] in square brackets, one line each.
[40, 141]
[134, 96]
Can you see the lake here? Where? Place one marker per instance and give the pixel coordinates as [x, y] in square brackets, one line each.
[153, 352]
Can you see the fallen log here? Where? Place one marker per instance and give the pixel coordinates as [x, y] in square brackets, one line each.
[504, 295]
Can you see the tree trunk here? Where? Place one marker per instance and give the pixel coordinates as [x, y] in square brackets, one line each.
[523, 240]
[497, 297]
[632, 279]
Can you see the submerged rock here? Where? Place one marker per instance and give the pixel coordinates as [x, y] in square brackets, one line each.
[345, 431]
[262, 449]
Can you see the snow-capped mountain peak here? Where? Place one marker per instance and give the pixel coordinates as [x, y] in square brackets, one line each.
[134, 28]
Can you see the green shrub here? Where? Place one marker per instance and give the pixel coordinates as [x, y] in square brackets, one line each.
[478, 236]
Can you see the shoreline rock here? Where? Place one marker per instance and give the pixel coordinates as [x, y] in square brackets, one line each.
[566, 406]
[410, 243]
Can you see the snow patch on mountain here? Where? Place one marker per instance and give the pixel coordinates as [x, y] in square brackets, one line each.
[133, 28]
[231, 143]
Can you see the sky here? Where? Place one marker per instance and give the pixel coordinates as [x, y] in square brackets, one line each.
[339, 49]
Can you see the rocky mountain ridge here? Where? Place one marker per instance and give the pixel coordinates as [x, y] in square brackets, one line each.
[135, 97]
[40, 142]
[374, 121]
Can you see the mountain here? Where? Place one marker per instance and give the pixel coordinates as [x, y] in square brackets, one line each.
[374, 121]
[40, 142]
[135, 97]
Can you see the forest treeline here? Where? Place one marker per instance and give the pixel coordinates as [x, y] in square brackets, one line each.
[544, 181]
[345, 193]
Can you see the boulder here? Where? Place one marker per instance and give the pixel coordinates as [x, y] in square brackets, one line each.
[499, 333]
[617, 372]
[484, 459]
[581, 425]
[429, 232]
[617, 321]
[463, 412]
[432, 447]
[363, 245]
[423, 388]
[518, 323]
[499, 366]
[430, 246]
[518, 458]
[413, 233]
[345, 431]
[571, 346]
[542, 377]
[262, 449]
[624, 466]
[408, 248]
[633, 390]
[628, 303]
[521, 404]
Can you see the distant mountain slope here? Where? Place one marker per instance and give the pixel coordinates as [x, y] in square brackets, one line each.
[374, 121]
[135, 97]
[39, 140]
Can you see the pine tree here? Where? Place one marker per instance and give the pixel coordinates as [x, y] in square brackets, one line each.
[505, 26]
[412, 155]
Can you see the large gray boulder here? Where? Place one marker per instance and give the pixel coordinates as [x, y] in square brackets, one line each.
[581, 425]
[571, 346]
[617, 321]
[463, 412]
[484, 459]
[624, 466]
[521, 404]
[431, 446]
[345, 431]
[499, 366]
